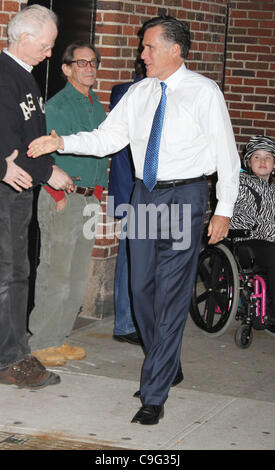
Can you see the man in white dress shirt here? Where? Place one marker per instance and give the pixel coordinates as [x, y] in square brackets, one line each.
[196, 140]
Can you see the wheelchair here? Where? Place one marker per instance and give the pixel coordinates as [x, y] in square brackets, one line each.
[230, 286]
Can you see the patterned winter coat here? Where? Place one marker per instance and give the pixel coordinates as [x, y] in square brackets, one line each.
[255, 208]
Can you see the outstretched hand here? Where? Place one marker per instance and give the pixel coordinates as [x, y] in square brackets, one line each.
[15, 176]
[45, 144]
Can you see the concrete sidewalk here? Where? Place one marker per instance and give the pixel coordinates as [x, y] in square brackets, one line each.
[226, 401]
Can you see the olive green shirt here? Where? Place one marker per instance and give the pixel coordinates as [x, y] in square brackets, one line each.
[69, 112]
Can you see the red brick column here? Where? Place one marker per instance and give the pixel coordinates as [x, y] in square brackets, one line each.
[7, 10]
[250, 66]
[250, 71]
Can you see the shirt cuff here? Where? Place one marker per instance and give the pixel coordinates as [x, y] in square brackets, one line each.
[64, 145]
[224, 209]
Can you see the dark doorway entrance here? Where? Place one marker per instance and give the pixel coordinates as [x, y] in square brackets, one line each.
[76, 22]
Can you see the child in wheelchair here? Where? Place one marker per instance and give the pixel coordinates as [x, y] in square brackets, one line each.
[255, 209]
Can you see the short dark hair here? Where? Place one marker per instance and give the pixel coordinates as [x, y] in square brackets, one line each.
[174, 31]
[68, 55]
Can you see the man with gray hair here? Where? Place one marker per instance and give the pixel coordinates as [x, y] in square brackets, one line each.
[31, 36]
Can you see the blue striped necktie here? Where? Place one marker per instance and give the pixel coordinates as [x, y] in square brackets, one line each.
[152, 153]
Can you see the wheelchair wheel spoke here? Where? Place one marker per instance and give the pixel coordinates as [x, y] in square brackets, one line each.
[204, 274]
[216, 272]
[221, 300]
[210, 312]
[203, 297]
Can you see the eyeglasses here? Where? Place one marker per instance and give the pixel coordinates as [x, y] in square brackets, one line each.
[83, 63]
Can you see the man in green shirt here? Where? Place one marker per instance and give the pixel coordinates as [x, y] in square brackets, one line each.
[65, 250]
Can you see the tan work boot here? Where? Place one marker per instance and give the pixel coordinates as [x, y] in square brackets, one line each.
[71, 353]
[50, 357]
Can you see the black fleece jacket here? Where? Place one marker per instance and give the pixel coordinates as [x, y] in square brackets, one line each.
[22, 119]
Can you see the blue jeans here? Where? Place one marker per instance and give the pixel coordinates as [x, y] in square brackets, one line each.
[123, 311]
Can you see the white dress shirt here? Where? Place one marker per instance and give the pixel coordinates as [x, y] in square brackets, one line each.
[197, 137]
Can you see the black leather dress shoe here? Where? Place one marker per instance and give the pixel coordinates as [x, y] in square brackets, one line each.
[149, 414]
[178, 379]
[131, 338]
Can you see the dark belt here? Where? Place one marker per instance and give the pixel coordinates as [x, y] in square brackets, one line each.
[172, 183]
[85, 191]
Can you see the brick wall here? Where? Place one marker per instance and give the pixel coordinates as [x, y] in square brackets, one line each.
[250, 52]
[7, 10]
[247, 54]
[249, 67]
[119, 21]
[116, 37]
